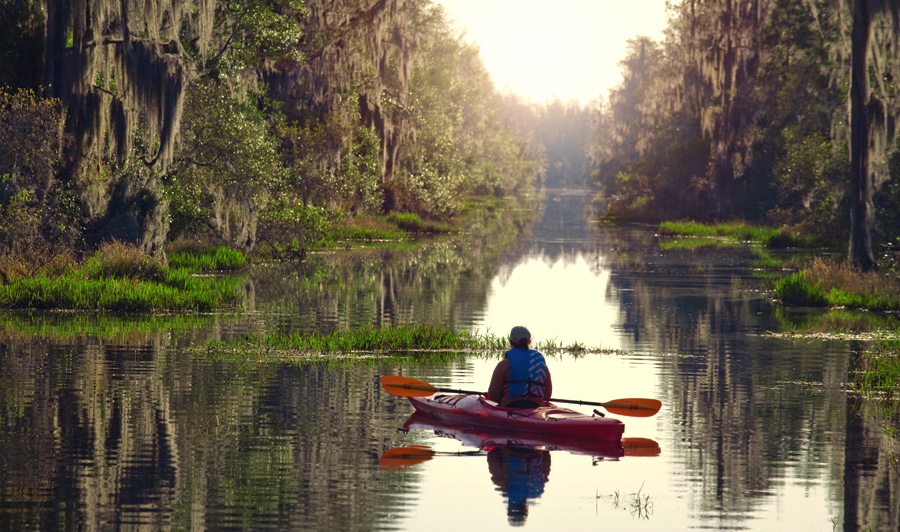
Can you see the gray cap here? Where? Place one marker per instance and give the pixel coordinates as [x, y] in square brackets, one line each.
[519, 334]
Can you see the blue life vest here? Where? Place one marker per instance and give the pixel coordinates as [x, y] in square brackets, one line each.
[527, 373]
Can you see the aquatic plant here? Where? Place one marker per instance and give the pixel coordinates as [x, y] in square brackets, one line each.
[210, 259]
[423, 343]
[879, 371]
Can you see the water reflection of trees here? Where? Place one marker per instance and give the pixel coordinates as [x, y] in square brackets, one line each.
[751, 409]
[444, 281]
[135, 433]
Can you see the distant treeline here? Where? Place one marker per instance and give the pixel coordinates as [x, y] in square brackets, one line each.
[247, 123]
[742, 112]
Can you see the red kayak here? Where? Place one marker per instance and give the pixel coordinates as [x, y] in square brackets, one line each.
[473, 409]
[485, 438]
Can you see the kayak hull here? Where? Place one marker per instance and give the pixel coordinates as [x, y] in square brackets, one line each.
[486, 438]
[475, 410]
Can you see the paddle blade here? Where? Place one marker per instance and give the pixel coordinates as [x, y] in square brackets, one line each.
[400, 457]
[634, 407]
[640, 447]
[406, 387]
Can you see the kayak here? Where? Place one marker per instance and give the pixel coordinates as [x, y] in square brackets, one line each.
[471, 409]
[485, 438]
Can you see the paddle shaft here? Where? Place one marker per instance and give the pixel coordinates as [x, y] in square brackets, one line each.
[612, 404]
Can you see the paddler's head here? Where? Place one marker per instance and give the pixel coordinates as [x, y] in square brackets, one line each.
[520, 337]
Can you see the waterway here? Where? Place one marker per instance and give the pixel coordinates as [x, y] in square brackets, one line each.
[112, 422]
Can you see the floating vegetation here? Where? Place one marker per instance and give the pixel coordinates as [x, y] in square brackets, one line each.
[637, 503]
[425, 343]
[879, 369]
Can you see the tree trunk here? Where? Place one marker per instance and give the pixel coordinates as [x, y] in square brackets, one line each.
[862, 210]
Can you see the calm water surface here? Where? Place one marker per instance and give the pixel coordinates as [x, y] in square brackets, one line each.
[109, 423]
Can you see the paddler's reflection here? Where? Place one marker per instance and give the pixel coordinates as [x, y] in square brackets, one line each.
[520, 474]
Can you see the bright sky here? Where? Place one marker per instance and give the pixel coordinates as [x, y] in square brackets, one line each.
[563, 48]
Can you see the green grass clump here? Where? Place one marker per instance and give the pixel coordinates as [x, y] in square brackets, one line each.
[797, 290]
[365, 234]
[75, 291]
[211, 259]
[838, 284]
[412, 223]
[119, 277]
[739, 232]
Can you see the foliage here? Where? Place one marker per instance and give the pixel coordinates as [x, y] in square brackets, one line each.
[225, 166]
[758, 141]
[456, 140]
[38, 214]
[352, 183]
[251, 33]
[21, 43]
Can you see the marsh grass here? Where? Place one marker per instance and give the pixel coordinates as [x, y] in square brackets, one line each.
[736, 232]
[423, 343]
[412, 223]
[826, 282]
[121, 278]
[210, 259]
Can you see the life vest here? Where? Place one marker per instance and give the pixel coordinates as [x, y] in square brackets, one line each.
[527, 373]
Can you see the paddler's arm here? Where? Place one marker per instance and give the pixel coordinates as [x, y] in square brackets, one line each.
[498, 379]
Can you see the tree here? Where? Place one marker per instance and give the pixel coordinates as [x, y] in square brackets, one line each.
[867, 114]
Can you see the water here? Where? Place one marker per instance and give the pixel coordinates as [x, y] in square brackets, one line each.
[109, 423]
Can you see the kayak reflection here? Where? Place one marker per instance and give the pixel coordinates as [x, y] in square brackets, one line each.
[518, 462]
[520, 474]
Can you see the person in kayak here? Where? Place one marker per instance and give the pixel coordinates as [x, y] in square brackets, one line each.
[522, 378]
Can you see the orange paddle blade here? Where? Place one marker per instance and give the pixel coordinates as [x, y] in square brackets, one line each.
[640, 447]
[635, 407]
[406, 386]
[400, 457]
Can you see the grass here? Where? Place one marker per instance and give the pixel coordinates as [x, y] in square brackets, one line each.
[828, 283]
[121, 278]
[424, 342]
[730, 233]
[879, 372]
[210, 259]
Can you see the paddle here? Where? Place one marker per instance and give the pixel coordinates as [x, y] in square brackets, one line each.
[409, 387]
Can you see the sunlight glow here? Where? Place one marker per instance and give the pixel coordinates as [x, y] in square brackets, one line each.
[568, 48]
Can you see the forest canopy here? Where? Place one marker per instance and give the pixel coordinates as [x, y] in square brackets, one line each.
[244, 123]
[741, 111]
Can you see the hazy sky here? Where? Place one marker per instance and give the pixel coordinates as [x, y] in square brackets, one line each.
[567, 48]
